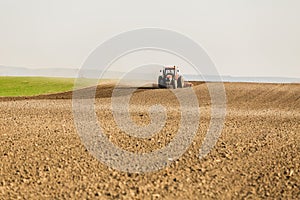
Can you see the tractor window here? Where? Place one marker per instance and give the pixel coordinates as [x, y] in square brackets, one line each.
[169, 71]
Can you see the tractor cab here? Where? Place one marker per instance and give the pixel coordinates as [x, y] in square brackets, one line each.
[170, 71]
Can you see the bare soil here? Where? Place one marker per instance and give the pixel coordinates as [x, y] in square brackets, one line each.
[257, 155]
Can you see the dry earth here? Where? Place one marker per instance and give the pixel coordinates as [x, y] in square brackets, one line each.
[257, 155]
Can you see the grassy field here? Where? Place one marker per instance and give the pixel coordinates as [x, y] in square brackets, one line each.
[30, 86]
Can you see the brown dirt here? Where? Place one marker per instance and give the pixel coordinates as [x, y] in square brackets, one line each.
[257, 155]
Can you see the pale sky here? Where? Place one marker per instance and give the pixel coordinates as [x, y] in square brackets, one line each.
[243, 37]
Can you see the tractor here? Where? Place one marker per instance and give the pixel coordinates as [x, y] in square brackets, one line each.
[171, 78]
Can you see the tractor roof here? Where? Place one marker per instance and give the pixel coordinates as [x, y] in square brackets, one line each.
[173, 67]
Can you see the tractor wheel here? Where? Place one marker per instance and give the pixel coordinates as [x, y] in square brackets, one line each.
[180, 82]
[175, 84]
[161, 82]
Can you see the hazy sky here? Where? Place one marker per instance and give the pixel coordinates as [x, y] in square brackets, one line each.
[243, 37]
